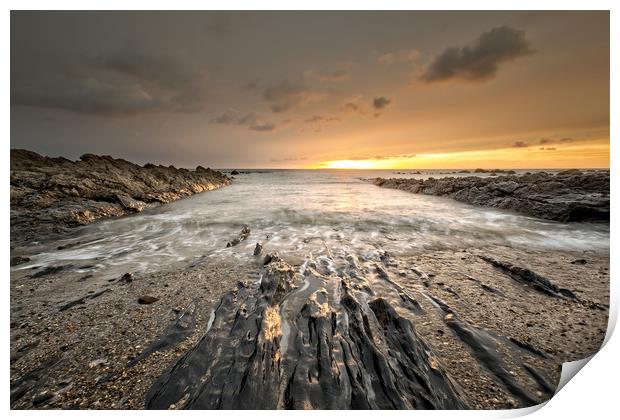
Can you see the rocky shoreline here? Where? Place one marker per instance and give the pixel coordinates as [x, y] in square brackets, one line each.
[242, 326]
[49, 196]
[568, 196]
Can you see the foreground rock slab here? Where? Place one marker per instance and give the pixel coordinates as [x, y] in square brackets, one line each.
[278, 344]
[568, 196]
[51, 195]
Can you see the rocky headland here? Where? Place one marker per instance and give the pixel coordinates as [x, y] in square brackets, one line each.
[51, 195]
[568, 196]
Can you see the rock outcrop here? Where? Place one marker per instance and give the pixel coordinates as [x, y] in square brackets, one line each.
[568, 196]
[50, 195]
[304, 341]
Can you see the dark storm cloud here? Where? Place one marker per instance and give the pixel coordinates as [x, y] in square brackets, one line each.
[87, 96]
[286, 95]
[480, 60]
[520, 144]
[116, 84]
[381, 102]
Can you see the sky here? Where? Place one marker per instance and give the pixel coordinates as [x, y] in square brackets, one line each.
[375, 90]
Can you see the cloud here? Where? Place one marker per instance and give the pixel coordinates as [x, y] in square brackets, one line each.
[121, 83]
[480, 60]
[318, 118]
[547, 148]
[395, 57]
[381, 102]
[556, 140]
[262, 127]
[88, 96]
[354, 107]
[227, 117]
[520, 144]
[250, 120]
[286, 95]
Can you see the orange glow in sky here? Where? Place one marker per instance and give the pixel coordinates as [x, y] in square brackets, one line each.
[593, 154]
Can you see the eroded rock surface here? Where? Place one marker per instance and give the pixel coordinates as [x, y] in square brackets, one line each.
[50, 195]
[568, 196]
[307, 340]
[341, 331]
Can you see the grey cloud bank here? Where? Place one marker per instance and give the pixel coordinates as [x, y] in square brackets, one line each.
[480, 60]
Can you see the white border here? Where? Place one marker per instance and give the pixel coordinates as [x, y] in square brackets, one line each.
[592, 394]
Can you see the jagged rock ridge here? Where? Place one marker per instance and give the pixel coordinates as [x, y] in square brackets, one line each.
[49, 195]
[568, 196]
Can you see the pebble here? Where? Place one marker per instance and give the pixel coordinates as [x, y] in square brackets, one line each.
[147, 300]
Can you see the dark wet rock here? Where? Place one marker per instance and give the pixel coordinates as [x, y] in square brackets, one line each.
[243, 235]
[484, 347]
[530, 278]
[32, 379]
[82, 300]
[85, 277]
[543, 383]
[258, 249]
[485, 286]
[381, 272]
[68, 245]
[568, 196]
[23, 350]
[527, 346]
[49, 270]
[181, 328]
[427, 280]
[579, 262]
[234, 172]
[279, 345]
[127, 278]
[18, 260]
[44, 398]
[147, 300]
[49, 196]
[271, 257]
